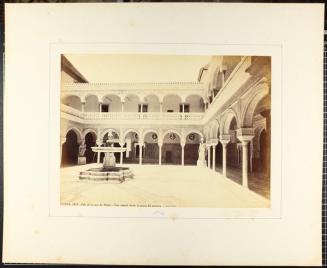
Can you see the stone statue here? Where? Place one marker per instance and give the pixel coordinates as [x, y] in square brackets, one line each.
[202, 150]
[81, 160]
[81, 149]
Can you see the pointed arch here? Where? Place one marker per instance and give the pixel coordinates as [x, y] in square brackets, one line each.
[129, 131]
[149, 130]
[77, 131]
[172, 131]
[188, 132]
[105, 131]
[226, 121]
[262, 91]
[89, 130]
[214, 132]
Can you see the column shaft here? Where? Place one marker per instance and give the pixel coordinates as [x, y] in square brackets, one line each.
[140, 154]
[214, 157]
[245, 163]
[182, 155]
[224, 159]
[160, 154]
[209, 156]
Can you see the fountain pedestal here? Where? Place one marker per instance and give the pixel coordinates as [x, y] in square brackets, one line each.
[109, 171]
[109, 160]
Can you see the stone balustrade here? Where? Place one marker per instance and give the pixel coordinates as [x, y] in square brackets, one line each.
[132, 115]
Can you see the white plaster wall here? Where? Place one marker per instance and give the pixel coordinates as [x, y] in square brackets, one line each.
[196, 139]
[131, 103]
[148, 138]
[114, 103]
[171, 102]
[73, 101]
[91, 104]
[166, 139]
[196, 103]
[131, 106]
[153, 104]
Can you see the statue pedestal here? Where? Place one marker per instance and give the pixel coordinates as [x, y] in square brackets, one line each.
[109, 160]
[81, 160]
[201, 163]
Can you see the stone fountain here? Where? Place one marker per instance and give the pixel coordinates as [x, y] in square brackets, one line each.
[108, 171]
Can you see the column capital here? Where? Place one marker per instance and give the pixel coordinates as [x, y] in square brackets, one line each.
[208, 145]
[214, 142]
[141, 143]
[245, 135]
[224, 139]
[160, 142]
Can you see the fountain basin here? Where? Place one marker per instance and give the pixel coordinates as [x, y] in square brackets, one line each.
[104, 174]
[109, 171]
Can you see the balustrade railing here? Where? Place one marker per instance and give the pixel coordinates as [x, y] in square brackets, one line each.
[130, 115]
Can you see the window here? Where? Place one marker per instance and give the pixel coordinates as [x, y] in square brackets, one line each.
[186, 108]
[145, 108]
[104, 108]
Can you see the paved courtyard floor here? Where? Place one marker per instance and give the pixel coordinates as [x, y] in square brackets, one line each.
[175, 186]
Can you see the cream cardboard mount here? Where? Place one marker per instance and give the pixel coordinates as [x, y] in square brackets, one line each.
[214, 111]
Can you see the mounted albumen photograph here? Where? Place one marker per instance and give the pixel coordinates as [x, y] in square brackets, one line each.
[143, 130]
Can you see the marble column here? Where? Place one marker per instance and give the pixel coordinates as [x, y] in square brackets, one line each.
[160, 107]
[224, 143]
[140, 153]
[122, 107]
[160, 146]
[245, 135]
[100, 106]
[214, 157]
[183, 145]
[245, 163]
[83, 107]
[141, 110]
[251, 155]
[209, 156]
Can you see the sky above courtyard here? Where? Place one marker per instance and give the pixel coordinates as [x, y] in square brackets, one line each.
[122, 68]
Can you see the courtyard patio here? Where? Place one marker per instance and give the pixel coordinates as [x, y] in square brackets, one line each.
[167, 186]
